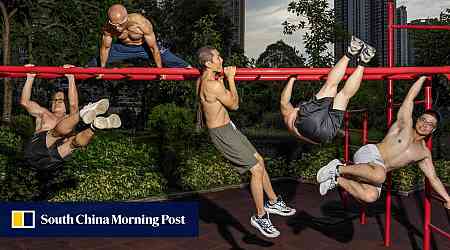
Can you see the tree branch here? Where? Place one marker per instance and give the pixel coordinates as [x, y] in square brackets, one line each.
[11, 14]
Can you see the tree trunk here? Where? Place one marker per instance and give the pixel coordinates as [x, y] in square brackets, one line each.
[8, 85]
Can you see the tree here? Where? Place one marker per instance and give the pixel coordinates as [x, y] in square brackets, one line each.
[8, 9]
[431, 46]
[320, 21]
[280, 55]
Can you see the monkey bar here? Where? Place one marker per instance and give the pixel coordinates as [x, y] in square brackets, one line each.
[242, 74]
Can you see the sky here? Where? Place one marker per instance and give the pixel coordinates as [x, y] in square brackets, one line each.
[264, 17]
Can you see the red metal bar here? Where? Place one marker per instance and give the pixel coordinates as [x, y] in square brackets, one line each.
[364, 139]
[421, 27]
[396, 105]
[427, 201]
[346, 137]
[389, 114]
[192, 72]
[440, 231]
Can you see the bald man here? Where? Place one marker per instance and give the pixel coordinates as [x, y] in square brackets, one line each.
[136, 39]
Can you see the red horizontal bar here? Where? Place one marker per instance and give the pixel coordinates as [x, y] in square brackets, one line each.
[249, 74]
[440, 231]
[421, 27]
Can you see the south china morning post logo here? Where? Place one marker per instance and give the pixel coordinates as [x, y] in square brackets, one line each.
[100, 219]
[22, 219]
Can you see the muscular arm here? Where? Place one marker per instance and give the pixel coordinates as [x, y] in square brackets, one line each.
[285, 100]
[31, 107]
[426, 165]
[150, 40]
[229, 98]
[404, 115]
[105, 47]
[73, 94]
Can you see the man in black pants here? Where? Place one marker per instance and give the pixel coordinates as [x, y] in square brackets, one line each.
[319, 119]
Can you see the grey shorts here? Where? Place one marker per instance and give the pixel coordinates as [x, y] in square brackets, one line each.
[369, 154]
[234, 146]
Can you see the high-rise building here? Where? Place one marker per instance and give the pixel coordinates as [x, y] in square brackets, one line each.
[402, 44]
[235, 10]
[367, 19]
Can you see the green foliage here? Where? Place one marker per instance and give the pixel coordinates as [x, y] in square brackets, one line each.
[114, 184]
[23, 125]
[112, 168]
[320, 19]
[307, 167]
[280, 55]
[431, 46]
[205, 33]
[205, 169]
[10, 142]
[171, 122]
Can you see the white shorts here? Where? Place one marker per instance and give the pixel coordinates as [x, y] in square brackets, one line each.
[369, 154]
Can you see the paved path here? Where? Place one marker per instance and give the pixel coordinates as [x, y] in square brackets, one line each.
[320, 223]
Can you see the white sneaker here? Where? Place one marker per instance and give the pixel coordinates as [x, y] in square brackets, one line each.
[328, 171]
[355, 47]
[90, 111]
[367, 53]
[112, 121]
[327, 186]
[264, 225]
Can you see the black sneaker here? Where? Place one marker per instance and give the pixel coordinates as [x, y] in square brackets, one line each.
[279, 207]
[264, 225]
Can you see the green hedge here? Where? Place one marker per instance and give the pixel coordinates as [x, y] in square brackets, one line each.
[113, 167]
[205, 168]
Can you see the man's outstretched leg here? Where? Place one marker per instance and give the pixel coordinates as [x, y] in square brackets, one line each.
[354, 81]
[261, 220]
[329, 89]
[274, 204]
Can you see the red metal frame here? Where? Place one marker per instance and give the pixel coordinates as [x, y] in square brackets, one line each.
[364, 140]
[428, 227]
[242, 74]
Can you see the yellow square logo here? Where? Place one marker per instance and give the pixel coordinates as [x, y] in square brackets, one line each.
[22, 219]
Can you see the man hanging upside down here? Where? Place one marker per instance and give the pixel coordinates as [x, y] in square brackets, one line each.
[215, 99]
[319, 119]
[136, 40]
[54, 139]
[403, 144]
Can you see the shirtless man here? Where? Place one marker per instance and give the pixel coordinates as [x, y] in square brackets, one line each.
[215, 99]
[53, 140]
[403, 144]
[136, 40]
[319, 119]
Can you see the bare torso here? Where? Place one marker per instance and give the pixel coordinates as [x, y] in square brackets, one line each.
[215, 114]
[398, 148]
[132, 34]
[47, 121]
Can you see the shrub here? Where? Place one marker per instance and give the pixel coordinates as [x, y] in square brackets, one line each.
[205, 169]
[23, 125]
[307, 167]
[171, 122]
[10, 142]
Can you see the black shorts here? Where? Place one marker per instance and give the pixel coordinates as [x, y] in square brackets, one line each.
[39, 156]
[318, 121]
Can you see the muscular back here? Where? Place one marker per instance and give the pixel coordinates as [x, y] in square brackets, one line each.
[398, 148]
[215, 114]
[133, 34]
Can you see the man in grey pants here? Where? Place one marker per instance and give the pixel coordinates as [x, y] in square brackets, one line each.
[215, 99]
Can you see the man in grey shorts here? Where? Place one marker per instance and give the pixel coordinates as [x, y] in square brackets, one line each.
[403, 144]
[215, 99]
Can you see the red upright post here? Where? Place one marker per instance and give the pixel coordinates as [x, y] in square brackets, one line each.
[427, 201]
[346, 137]
[390, 100]
[364, 141]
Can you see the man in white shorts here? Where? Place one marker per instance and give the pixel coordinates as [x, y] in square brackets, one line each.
[403, 144]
